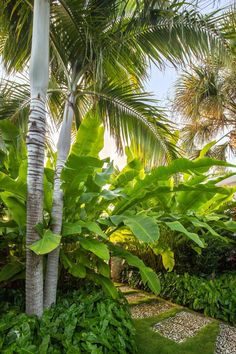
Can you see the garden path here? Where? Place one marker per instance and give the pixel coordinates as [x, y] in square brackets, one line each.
[181, 324]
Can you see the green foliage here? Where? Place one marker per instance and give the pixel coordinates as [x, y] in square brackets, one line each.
[215, 297]
[216, 258]
[177, 226]
[10, 270]
[46, 244]
[82, 322]
[142, 226]
[89, 198]
[100, 201]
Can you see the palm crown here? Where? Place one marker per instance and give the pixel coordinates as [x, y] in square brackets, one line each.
[93, 44]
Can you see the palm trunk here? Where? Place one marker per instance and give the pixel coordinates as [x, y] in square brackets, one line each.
[39, 65]
[63, 148]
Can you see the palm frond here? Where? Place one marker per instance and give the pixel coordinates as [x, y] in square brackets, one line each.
[131, 116]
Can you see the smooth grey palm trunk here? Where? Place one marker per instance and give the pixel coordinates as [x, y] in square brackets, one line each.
[63, 148]
[39, 71]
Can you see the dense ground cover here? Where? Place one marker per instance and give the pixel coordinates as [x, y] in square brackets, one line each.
[84, 321]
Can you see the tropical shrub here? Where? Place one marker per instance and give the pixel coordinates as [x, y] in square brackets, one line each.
[100, 201]
[217, 257]
[85, 321]
[215, 297]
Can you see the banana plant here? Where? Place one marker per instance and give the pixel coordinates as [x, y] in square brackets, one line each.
[99, 201]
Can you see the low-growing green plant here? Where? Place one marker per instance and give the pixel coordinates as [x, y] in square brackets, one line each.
[85, 321]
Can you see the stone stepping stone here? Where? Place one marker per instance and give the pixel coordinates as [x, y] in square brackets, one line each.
[125, 289]
[226, 340]
[182, 326]
[133, 297]
[149, 310]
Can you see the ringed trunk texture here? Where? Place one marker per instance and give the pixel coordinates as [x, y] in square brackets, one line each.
[39, 71]
[63, 148]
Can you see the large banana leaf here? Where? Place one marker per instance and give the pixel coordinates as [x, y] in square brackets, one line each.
[100, 249]
[15, 187]
[90, 136]
[142, 226]
[177, 226]
[149, 277]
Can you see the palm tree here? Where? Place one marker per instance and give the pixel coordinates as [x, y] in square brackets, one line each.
[130, 34]
[39, 66]
[205, 98]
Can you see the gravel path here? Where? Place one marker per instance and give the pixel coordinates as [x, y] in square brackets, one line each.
[182, 326]
[226, 340]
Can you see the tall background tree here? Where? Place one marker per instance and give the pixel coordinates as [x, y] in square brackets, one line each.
[206, 101]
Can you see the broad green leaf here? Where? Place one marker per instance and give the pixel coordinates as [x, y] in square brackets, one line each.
[16, 208]
[93, 227]
[77, 170]
[117, 219]
[111, 195]
[47, 191]
[151, 183]
[65, 260]
[102, 178]
[125, 177]
[15, 187]
[88, 197]
[89, 138]
[106, 283]
[203, 225]
[184, 165]
[231, 225]
[49, 173]
[129, 257]
[78, 270]
[22, 173]
[168, 260]
[47, 244]
[96, 247]
[150, 278]
[69, 228]
[10, 270]
[205, 149]
[177, 226]
[9, 224]
[103, 269]
[43, 348]
[143, 227]
[39, 228]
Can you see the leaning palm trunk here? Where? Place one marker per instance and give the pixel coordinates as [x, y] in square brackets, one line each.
[63, 148]
[39, 66]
